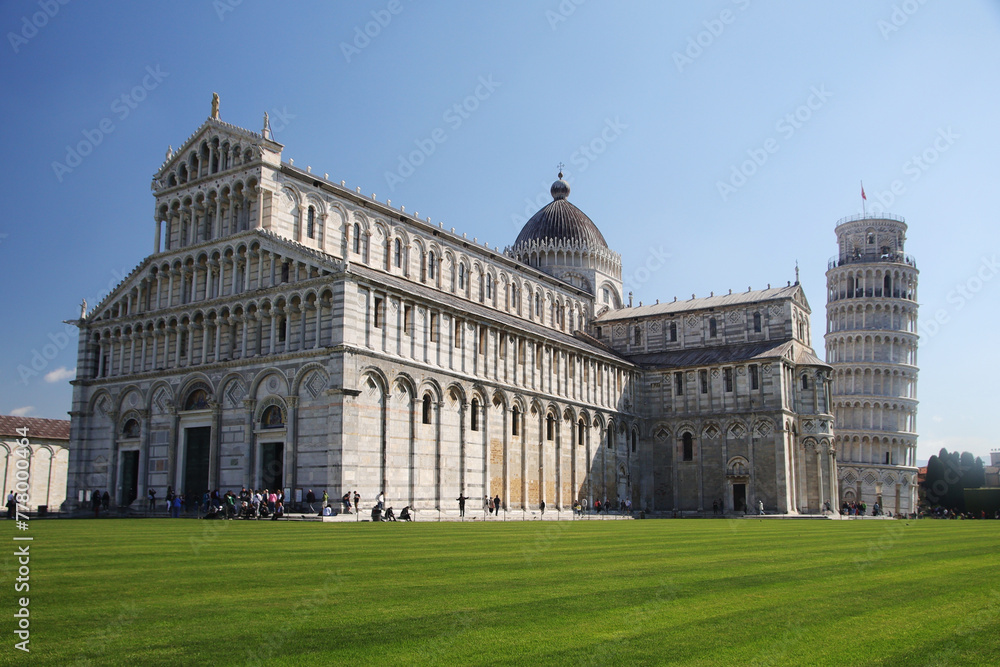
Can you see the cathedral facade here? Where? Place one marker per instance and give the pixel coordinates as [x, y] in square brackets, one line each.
[289, 332]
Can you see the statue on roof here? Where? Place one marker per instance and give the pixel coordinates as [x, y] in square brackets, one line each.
[170, 153]
[83, 309]
[266, 129]
[215, 106]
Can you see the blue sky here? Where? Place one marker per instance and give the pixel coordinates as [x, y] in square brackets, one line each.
[462, 112]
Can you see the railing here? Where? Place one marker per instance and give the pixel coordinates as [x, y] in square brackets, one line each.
[871, 257]
[872, 216]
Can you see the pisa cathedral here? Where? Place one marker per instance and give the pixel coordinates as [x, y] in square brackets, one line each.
[289, 332]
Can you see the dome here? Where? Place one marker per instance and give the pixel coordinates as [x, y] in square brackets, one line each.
[561, 221]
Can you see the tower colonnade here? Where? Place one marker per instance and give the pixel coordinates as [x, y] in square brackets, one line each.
[871, 342]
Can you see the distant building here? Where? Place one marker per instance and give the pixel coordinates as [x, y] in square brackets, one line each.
[48, 441]
[993, 469]
[871, 342]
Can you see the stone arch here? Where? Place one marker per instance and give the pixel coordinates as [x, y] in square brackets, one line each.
[405, 382]
[457, 392]
[267, 402]
[127, 391]
[125, 431]
[738, 466]
[267, 374]
[431, 386]
[306, 370]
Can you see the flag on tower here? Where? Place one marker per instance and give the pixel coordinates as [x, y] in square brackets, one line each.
[864, 209]
[863, 191]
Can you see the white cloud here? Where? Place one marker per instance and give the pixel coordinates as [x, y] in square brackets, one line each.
[60, 374]
[937, 419]
[22, 412]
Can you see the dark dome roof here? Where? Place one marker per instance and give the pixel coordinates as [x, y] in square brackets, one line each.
[561, 221]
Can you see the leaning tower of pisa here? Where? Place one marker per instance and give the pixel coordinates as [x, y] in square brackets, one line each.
[871, 342]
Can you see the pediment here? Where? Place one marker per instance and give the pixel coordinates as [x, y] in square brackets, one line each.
[266, 240]
[213, 132]
[799, 297]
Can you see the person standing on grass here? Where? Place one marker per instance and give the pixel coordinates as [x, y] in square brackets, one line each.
[95, 503]
[11, 505]
[152, 499]
[272, 500]
[461, 504]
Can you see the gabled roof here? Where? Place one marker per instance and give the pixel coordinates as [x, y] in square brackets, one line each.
[215, 126]
[788, 349]
[793, 292]
[48, 429]
[333, 263]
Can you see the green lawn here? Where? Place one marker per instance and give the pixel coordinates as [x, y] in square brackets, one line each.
[693, 592]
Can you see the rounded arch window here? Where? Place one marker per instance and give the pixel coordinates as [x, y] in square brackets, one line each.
[687, 441]
[272, 417]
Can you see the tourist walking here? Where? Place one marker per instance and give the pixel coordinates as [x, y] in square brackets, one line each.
[496, 505]
[461, 504]
[380, 500]
[357, 501]
[152, 499]
[11, 505]
[95, 503]
[760, 507]
[310, 500]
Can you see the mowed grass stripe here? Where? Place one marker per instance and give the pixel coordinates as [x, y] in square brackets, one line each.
[684, 592]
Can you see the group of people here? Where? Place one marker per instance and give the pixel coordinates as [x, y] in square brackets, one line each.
[248, 504]
[624, 505]
[858, 509]
[99, 501]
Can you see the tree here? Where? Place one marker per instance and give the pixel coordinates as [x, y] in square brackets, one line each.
[948, 475]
